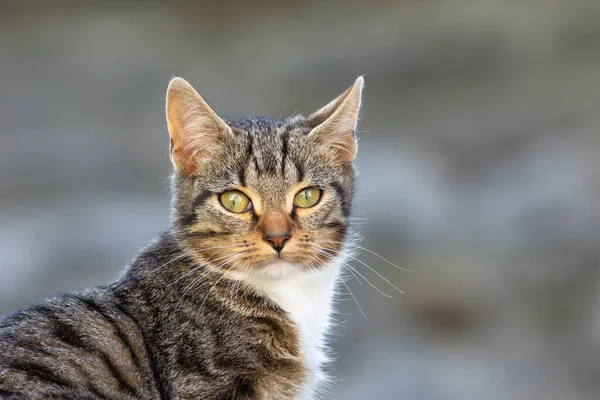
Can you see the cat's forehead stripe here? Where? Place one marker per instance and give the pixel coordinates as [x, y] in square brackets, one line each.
[266, 148]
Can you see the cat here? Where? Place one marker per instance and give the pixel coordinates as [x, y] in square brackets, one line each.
[235, 300]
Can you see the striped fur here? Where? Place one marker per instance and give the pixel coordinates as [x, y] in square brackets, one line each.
[209, 310]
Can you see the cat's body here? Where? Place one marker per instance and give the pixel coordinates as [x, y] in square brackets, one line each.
[215, 308]
[134, 340]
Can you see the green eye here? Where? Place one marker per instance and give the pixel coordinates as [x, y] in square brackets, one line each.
[235, 201]
[307, 197]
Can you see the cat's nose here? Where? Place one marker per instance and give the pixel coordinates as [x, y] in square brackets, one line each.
[277, 240]
[276, 228]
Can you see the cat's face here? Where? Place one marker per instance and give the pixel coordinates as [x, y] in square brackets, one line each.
[262, 196]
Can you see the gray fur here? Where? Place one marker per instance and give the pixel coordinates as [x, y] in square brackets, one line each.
[171, 327]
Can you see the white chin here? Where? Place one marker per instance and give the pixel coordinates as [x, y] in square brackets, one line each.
[279, 269]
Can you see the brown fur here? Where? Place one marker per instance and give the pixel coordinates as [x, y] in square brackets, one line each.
[183, 322]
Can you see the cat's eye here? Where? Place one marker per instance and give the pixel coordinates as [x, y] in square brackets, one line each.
[307, 197]
[235, 201]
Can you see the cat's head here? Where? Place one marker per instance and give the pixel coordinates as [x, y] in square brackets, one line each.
[259, 195]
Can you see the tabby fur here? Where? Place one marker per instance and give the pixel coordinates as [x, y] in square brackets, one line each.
[209, 310]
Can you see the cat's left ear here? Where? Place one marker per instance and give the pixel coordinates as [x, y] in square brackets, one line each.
[335, 124]
[196, 130]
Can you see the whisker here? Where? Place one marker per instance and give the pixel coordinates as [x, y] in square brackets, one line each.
[350, 292]
[168, 262]
[191, 271]
[315, 268]
[245, 272]
[356, 301]
[318, 267]
[195, 280]
[184, 254]
[216, 283]
[234, 282]
[354, 275]
[368, 251]
[342, 262]
[191, 285]
[375, 272]
[355, 270]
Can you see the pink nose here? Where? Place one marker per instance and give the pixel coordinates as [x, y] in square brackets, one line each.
[277, 240]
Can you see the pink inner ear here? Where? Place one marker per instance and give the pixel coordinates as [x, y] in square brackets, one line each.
[181, 154]
[183, 158]
[336, 132]
[340, 144]
[196, 147]
[194, 127]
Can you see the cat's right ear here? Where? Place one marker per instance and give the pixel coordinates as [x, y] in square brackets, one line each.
[195, 128]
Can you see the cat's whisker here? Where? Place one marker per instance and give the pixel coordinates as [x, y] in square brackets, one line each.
[320, 266]
[229, 281]
[168, 262]
[314, 259]
[306, 263]
[218, 247]
[198, 279]
[342, 262]
[313, 267]
[350, 292]
[199, 266]
[245, 272]
[368, 251]
[331, 257]
[313, 263]
[234, 282]
[354, 276]
[368, 282]
[191, 271]
[213, 268]
[231, 286]
[217, 282]
[209, 270]
[318, 272]
[375, 272]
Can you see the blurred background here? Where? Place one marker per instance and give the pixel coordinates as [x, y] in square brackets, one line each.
[478, 167]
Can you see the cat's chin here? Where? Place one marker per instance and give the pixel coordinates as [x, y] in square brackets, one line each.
[276, 269]
[279, 269]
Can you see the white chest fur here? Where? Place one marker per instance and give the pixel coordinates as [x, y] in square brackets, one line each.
[307, 299]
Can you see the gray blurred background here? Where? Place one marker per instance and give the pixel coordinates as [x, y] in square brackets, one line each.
[477, 162]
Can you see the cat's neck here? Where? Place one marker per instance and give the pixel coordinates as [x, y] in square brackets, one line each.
[307, 300]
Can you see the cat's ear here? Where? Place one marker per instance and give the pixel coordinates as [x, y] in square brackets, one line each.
[335, 124]
[195, 129]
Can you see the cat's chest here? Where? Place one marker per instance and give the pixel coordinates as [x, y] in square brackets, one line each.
[307, 302]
